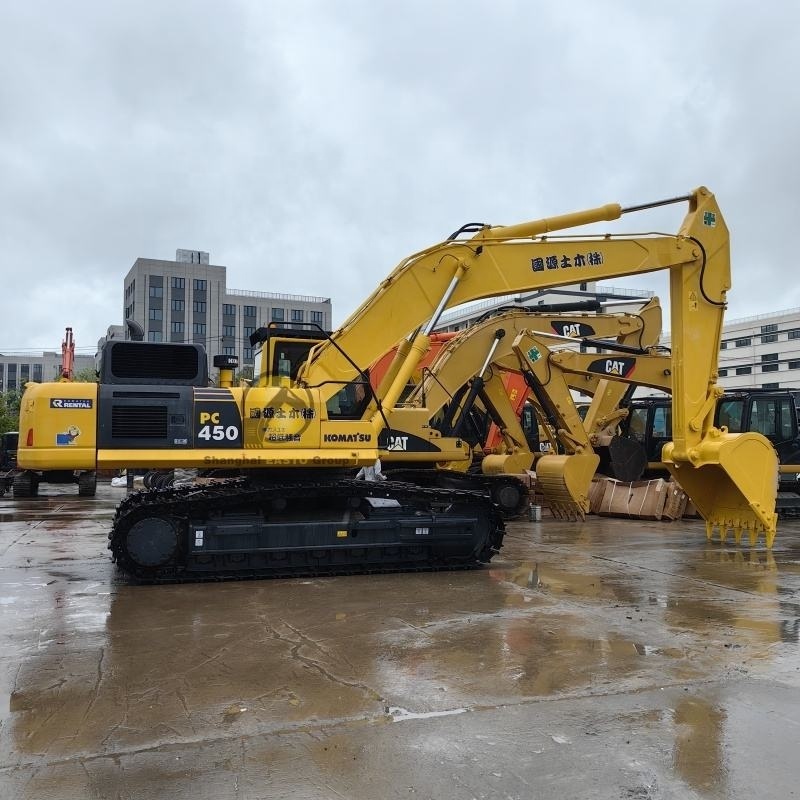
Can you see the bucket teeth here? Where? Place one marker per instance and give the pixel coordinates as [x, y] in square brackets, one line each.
[739, 527]
[565, 510]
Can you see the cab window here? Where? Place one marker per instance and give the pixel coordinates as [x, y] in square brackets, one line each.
[662, 422]
[763, 418]
[787, 419]
[637, 424]
[730, 415]
[773, 418]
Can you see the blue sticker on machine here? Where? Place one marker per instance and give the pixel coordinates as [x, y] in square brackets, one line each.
[68, 437]
[70, 402]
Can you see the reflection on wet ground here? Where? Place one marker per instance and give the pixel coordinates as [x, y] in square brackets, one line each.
[610, 658]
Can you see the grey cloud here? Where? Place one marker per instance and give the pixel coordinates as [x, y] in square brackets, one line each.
[310, 146]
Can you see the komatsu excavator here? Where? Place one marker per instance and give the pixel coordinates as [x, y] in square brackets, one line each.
[298, 512]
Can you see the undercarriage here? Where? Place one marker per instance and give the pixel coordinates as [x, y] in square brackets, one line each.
[239, 528]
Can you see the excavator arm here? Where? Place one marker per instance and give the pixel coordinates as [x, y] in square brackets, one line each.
[496, 261]
[457, 361]
[717, 469]
[504, 389]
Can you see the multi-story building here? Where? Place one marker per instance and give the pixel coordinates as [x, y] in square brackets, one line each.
[761, 351]
[17, 369]
[187, 300]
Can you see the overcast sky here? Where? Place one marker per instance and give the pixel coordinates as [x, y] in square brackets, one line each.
[309, 146]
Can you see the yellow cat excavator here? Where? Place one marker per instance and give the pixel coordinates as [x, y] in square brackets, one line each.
[302, 430]
[458, 394]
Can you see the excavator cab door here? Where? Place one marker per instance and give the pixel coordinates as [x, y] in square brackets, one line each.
[284, 351]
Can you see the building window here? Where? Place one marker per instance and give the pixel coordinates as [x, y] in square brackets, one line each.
[199, 306]
[176, 327]
[769, 362]
[37, 373]
[24, 373]
[178, 283]
[794, 365]
[12, 376]
[744, 370]
[769, 333]
[743, 342]
[249, 311]
[199, 327]
[297, 315]
[248, 332]
[153, 336]
[277, 315]
[248, 353]
[229, 351]
[228, 309]
[794, 333]
[723, 373]
[156, 291]
[770, 386]
[229, 330]
[723, 345]
[178, 305]
[156, 313]
[199, 285]
[317, 316]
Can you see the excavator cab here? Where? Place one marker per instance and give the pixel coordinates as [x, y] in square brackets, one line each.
[770, 413]
[283, 350]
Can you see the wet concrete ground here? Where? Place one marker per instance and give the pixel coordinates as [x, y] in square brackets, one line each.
[610, 659]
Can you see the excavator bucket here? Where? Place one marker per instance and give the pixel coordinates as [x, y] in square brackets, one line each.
[564, 481]
[733, 481]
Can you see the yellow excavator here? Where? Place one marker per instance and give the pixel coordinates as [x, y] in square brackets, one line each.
[304, 430]
[453, 392]
[564, 479]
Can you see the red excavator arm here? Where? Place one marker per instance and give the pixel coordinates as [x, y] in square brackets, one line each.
[67, 356]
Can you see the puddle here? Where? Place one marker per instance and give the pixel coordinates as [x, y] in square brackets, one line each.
[399, 714]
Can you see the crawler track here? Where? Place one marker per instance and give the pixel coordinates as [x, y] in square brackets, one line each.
[238, 529]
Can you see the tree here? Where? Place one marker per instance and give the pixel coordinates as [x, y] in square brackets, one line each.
[9, 410]
[86, 375]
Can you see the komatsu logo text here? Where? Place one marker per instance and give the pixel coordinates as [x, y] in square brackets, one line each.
[349, 438]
